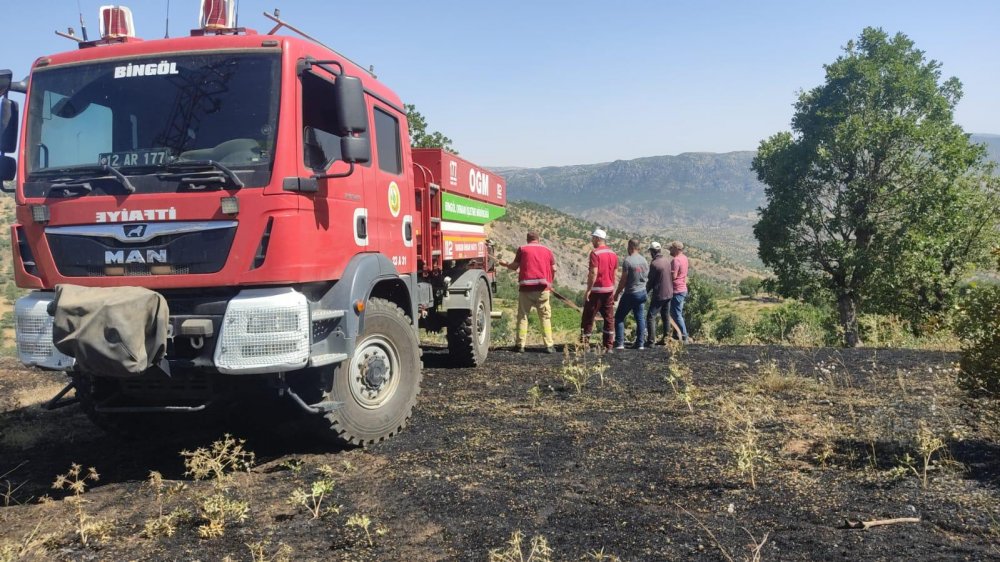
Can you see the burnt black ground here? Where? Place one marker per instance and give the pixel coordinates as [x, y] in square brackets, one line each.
[624, 466]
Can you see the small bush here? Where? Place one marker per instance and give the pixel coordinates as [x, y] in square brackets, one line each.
[749, 286]
[778, 325]
[702, 299]
[312, 498]
[502, 330]
[879, 330]
[732, 329]
[225, 456]
[977, 324]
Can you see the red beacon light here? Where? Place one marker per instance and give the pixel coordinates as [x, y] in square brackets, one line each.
[116, 22]
[218, 15]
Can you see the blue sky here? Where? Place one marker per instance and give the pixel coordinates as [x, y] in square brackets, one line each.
[540, 83]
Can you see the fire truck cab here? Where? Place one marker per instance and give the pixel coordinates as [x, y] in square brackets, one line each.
[205, 215]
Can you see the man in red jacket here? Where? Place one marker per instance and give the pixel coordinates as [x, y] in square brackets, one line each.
[599, 297]
[536, 267]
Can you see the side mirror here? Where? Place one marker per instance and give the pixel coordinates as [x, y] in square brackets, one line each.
[355, 150]
[352, 114]
[8, 125]
[6, 77]
[8, 169]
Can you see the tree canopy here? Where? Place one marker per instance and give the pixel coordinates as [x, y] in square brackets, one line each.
[419, 137]
[876, 198]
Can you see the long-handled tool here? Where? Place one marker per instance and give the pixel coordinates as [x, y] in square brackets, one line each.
[565, 300]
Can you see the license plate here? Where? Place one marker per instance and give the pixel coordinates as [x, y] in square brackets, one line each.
[151, 157]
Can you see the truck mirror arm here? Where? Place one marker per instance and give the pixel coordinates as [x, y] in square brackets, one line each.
[307, 64]
[330, 176]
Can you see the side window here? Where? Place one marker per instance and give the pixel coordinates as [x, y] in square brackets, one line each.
[387, 141]
[320, 142]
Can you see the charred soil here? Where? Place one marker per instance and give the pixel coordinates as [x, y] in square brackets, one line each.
[703, 452]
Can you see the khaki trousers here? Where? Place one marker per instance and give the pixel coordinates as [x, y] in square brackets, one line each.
[526, 300]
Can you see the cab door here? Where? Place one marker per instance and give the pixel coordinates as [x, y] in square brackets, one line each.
[392, 208]
[341, 204]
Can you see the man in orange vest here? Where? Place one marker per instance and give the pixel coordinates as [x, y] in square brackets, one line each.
[599, 297]
[536, 267]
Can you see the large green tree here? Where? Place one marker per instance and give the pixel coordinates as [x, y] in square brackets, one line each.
[876, 198]
[419, 137]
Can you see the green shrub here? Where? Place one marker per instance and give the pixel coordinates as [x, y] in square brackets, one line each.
[702, 299]
[881, 330]
[749, 286]
[502, 330]
[732, 329]
[977, 324]
[796, 323]
[7, 320]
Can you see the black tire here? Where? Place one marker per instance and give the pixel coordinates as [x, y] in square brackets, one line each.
[469, 331]
[388, 350]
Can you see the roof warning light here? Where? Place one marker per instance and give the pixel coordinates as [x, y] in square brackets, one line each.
[218, 14]
[116, 22]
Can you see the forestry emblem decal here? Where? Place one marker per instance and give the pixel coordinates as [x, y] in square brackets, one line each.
[395, 201]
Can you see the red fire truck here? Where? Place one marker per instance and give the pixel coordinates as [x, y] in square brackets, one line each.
[205, 216]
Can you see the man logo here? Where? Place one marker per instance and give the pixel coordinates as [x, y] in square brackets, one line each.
[134, 230]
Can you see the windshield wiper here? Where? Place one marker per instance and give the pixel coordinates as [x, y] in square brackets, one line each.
[195, 165]
[79, 187]
[84, 183]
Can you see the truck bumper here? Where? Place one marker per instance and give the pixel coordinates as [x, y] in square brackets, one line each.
[252, 331]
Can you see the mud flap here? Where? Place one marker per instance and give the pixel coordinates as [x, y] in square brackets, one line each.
[115, 332]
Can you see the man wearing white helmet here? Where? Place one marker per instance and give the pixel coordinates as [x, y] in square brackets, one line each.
[599, 296]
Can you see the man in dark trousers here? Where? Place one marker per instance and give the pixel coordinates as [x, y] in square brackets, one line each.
[536, 267]
[661, 289]
[599, 296]
[632, 290]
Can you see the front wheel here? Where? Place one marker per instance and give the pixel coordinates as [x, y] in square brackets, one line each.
[469, 330]
[378, 385]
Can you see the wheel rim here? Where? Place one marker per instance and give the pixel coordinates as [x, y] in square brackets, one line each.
[481, 315]
[374, 374]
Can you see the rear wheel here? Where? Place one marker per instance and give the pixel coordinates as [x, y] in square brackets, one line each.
[469, 330]
[378, 385]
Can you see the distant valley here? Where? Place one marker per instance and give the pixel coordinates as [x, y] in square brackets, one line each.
[709, 200]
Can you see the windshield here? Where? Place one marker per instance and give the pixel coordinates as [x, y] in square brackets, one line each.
[146, 116]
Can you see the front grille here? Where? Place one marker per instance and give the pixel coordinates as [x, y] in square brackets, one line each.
[138, 270]
[78, 253]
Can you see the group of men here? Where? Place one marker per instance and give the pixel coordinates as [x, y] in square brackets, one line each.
[662, 281]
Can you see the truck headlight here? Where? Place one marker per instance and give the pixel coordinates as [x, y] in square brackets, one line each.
[264, 331]
[33, 333]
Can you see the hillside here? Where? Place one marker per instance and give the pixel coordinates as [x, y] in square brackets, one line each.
[703, 197]
[992, 143]
[569, 238]
[706, 198]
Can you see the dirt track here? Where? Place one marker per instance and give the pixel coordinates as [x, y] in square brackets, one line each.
[628, 465]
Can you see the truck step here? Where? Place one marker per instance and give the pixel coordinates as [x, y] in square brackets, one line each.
[327, 359]
[321, 314]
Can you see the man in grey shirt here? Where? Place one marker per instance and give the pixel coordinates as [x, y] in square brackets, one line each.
[632, 290]
[660, 287]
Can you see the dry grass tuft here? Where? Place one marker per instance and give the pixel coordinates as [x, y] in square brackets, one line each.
[538, 550]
